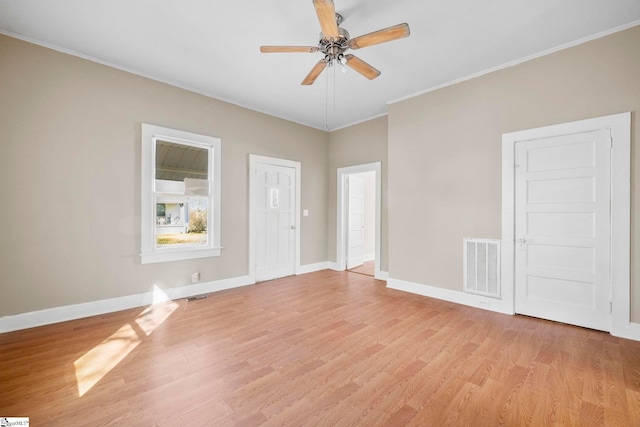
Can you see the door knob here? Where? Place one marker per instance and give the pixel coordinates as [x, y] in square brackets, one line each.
[521, 242]
[293, 227]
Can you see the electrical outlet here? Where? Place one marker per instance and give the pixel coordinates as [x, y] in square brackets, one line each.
[195, 277]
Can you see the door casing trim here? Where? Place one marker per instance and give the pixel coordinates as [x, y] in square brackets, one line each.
[341, 223]
[620, 127]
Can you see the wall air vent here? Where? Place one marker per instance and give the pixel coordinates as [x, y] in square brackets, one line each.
[482, 267]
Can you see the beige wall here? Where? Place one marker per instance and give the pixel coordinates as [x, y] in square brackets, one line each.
[445, 150]
[70, 162]
[70, 178]
[356, 145]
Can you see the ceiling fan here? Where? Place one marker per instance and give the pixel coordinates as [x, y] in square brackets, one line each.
[335, 41]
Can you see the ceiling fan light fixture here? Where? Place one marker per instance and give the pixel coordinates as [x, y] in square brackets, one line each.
[342, 61]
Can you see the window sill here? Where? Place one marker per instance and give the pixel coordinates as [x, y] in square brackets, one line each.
[155, 257]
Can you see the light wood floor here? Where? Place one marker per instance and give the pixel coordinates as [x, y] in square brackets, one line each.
[368, 268]
[327, 348]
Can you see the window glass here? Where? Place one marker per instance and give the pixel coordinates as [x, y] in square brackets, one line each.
[182, 174]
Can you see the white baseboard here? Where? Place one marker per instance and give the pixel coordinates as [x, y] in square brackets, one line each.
[629, 331]
[94, 308]
[62, 314]
[369, 257]
[478, 301]
[334, 266]
[383, 275]
[310, 268]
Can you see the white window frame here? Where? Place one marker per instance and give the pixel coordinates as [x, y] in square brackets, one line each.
[149, 251]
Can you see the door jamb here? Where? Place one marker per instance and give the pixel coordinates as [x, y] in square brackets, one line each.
[341, 222]
[620, 128]
[254, 159]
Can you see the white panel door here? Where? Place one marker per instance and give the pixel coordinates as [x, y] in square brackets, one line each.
[275, 221]
[355, 236]
[562, 229]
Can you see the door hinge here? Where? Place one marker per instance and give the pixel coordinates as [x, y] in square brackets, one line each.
[610, 307]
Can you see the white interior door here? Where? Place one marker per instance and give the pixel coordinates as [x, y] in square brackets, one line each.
[355, 236]
[275, 221]
[563, 229]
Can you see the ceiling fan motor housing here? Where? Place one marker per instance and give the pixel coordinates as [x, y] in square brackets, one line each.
[334, 46]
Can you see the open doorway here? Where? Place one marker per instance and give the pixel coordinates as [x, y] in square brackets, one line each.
[358, 219]
[361, 214]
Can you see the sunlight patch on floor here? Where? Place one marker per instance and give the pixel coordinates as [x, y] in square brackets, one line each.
[154, 315]
[100, 360]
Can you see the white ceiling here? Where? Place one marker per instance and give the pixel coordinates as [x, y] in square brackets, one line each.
[212, 47]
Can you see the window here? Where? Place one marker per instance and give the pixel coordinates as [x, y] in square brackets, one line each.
[180, 195]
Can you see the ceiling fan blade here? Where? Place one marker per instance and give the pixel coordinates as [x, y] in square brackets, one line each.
[288, 49]
[327, 16]
[392, 33]
[314, 73]
[362, 67]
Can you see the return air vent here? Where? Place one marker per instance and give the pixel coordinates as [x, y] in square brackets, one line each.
[482, 267]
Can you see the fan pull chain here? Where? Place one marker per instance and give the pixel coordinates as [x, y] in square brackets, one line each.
[326, 101]
[334, 89]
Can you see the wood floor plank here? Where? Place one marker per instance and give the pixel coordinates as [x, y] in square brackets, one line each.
[591, 415]
[326, 348]
[633, 402]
